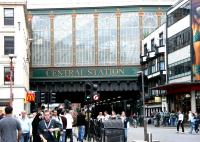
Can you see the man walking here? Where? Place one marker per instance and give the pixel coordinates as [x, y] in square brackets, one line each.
[180, 121]
[48, 127]
[81, 126]
[35, 123]
[10, 129]
[26, 127]
[125, 122]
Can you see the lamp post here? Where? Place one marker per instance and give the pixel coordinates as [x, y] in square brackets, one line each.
[143, 105]
[11, 56]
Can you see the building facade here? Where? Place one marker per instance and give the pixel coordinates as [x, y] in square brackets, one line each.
[14, 39]
[153, 61]
[182, 83]
[179, 47]
[100, 43]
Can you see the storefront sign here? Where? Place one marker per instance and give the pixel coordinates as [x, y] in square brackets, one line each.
[83, 72]
[157, 99]
[30, 96]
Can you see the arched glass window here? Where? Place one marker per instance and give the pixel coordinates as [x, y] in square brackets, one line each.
[63, 40]
[129, 38]
[150, 23]
[41, 41]
[107, 34]
[85, 50]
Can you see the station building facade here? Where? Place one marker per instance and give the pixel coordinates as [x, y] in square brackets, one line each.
[99, 44]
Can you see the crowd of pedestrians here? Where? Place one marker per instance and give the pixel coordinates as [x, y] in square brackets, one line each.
[60, 125]
[56, 125]
[170, 119]
[42, 126]
[177, 120]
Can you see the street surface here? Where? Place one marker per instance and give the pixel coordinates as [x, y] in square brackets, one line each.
[163, 134]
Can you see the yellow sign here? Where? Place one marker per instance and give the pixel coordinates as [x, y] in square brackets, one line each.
[30, 96]
[157, 99]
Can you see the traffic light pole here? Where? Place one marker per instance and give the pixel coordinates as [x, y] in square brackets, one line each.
[88, 115]
[90, 95]
[143, 106]
[48, 97]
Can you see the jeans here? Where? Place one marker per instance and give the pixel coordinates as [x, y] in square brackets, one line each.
[125, 131]
[173, 121]
[81, 133]
[25, 137]
[191, 127]
[62, 136]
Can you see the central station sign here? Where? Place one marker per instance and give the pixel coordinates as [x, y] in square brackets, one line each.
[83, 72]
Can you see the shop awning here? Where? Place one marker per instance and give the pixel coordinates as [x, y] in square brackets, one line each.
[179, 87]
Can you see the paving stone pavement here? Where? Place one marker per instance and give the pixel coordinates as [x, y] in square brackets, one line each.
[163, 134]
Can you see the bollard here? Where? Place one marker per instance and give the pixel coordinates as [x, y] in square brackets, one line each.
[149, 137]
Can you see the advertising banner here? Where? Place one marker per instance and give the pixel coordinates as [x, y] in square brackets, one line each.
[196, 38]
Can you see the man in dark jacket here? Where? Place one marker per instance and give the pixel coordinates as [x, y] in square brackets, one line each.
[81, 126]
[48, 127]
[35, 123]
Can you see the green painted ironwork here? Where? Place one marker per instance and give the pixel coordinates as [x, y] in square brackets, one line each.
[97, 9]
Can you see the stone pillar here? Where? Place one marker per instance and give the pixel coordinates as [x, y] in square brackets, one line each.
[193, 101]
[159, 14]
[74, 37]
[118, 36]
[30, 17]
[96, 45]
[51, 16]
[141, 20]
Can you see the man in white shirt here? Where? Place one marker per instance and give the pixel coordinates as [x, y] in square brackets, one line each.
[26, 127]
[106, 116]
[180, 121]
[70, 120]
[100, 117]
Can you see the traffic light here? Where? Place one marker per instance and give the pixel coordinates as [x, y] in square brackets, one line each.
[95, 95]
[37, 97]
[52, 98]
[91, 92]
[88, 91]
[43, 98]
[87, 98]
[94, 89]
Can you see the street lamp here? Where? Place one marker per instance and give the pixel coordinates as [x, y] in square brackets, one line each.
[11, 56]
[143, 104]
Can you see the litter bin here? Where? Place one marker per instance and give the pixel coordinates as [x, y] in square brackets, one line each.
[113, 131]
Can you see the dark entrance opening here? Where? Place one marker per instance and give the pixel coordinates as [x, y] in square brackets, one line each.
[115, 100]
